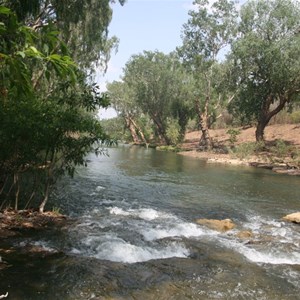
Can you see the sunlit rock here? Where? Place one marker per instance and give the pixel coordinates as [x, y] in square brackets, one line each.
[295, 218]
[219, 225]
[244, 234]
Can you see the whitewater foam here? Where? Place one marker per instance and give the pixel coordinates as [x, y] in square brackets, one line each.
[122, 251]
[182, 229]
[148, 214]
[113, 248]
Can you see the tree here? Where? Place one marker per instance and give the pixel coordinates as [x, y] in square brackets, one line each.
[159, 88]
[208, 31]
[266, 60]
[47, 110]
[123, 101]
[82, 25]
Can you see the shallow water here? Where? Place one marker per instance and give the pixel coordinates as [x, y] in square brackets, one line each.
[134, 235]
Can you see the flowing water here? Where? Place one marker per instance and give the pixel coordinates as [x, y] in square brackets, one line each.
[134, 236]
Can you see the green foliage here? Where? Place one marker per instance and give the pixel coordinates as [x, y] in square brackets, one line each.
[295, 117]
[168, 148]
[233, 133]
[47, 110]
[266, 64]
[209, 29]
[115, 129]
[245, 150]
[192, 125]
[157, 85]
[281, 149]
[173, 131]
[82, 24]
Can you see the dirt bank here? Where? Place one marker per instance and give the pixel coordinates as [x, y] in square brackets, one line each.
[12, 223]
[288, 133]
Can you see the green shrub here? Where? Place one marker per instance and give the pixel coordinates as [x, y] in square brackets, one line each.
[233, 133]
[295, 117]
[173, 131]
[192, 125]
[168, 148]
[245, 150]
[281, 149]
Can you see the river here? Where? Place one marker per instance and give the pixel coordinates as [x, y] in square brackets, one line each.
[134, 236]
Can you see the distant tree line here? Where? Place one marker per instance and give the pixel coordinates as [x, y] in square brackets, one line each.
[244, 62]
[48, 101]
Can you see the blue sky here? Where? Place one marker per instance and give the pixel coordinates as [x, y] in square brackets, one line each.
[146, 25]
[143, 25]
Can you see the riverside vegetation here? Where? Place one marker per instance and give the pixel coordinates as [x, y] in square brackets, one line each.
[49, 52]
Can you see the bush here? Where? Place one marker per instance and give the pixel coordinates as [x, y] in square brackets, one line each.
[233, 133]
[248, 149]
[173, 131]
[192, 125]
[295, 117]
[281, 149]
[245, 150]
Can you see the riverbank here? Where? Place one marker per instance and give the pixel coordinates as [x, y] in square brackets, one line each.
[280, 154]
[13, 222]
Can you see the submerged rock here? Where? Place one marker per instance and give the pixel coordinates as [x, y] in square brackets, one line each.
[219, 225]
[294, 218]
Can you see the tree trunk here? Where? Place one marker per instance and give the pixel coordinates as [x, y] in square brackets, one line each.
[46, 196]
[160, 130]
[260, 129]
[35, 185]
[266, 115]
[17, 184]
[132, 131]
[205, 140]
[48, 182]
[139, 130]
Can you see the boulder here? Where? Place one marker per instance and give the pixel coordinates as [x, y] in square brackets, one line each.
[245, 234]
[219, 225]
[295, 218]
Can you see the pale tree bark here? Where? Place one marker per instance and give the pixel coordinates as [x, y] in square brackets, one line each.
[46, 196]
[205, 140]
[139, 131]
[49, 180]
[132, 130]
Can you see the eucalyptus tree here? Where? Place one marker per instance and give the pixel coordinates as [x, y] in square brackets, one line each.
[266, 60]
[47, 109]
[82, 25]
[159, 86]
[209, 30]
[123, 101]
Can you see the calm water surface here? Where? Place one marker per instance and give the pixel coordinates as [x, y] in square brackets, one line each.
[134, 235]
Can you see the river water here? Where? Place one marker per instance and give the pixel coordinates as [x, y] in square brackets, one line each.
[134, 236]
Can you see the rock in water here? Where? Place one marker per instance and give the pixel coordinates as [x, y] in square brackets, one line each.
[244, 234]
[219, 225]
[295, 218]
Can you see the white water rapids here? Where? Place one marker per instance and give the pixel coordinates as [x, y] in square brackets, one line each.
[133, 233]
[155, 234]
